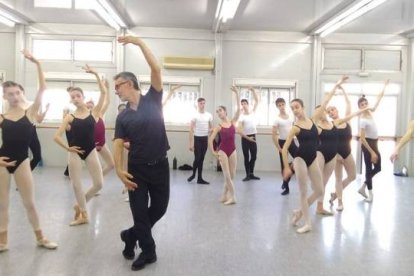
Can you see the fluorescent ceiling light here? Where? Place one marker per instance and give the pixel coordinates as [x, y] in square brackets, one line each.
[347, 16]
[109, 14]
[226, 9]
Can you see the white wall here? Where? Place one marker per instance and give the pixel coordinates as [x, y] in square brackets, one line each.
[262, 55]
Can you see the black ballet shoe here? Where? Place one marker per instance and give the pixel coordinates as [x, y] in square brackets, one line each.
[247, 178]
[202, 181]
[142, 260]
[191, 178]
[285, 192]
[128, 251]
[252, 176]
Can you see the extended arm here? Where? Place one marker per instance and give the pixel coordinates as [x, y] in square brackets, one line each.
[34, 108]
[156, 80]
[237, 94]
[404, 140]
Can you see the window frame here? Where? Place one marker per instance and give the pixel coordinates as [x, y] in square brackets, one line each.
[72, 39]
[269, 84]
[171, 81]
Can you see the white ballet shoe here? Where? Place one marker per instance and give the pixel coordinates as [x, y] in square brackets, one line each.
[45, 243]
[333, 197]
[370, 197]
[340, 208]
[304, 229]
[361, 191]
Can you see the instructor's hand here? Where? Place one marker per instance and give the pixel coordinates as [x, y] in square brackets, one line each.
[126, 179]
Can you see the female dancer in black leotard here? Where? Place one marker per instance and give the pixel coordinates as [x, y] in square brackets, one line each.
[17, 128]
[344, 158]
[305, 163]
[82, 147]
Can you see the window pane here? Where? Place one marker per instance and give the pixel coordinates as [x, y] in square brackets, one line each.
[58, 98]
[67, 4]
[266, 111]
[182, 105]
[386, 111]
[93, 50]
[52, 49]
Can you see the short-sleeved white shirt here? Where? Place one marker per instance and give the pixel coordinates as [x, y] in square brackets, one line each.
[201, 123]
[249, 123]
[371, 130]
[283, 126]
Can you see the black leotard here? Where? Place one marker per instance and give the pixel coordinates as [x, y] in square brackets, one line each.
[82, 134]
[16, 136]
[308, 143]
[328, 145]
[344, 141]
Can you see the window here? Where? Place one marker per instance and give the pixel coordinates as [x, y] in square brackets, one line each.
[268, 91]
[183, 104]
[93, 50]
[52, 49]
[73, 50]
[386, 112]
[58, 97]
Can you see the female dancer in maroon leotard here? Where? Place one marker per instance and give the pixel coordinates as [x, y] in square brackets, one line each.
[226, 153]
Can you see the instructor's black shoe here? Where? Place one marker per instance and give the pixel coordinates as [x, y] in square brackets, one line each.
[202, 181]
[285, 192]
[252, 176]
[128, 251]
[247, 178]
[142, 260]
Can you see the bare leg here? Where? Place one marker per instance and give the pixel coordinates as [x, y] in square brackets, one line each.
[107, 157]
[350, 168]
[75, 171]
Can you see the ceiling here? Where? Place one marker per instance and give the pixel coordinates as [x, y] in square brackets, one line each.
[393, 17]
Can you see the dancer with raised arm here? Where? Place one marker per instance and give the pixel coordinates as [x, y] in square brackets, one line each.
[226, 152]
[81, 147]
[305, 163]
[248, 128]
[148, 176]
[17, 127]
[280, 131]
[368, 133]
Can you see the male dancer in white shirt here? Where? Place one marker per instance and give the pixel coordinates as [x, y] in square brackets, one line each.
[200, 127]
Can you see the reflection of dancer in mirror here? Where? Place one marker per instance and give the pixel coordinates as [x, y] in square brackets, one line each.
[305, 163]
[344, 158]
[368, 133]
[17, 131]
[200, 127]
[280, 131]
[82, 146]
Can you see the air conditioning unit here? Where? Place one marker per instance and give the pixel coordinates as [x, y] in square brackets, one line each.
[189, 63]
